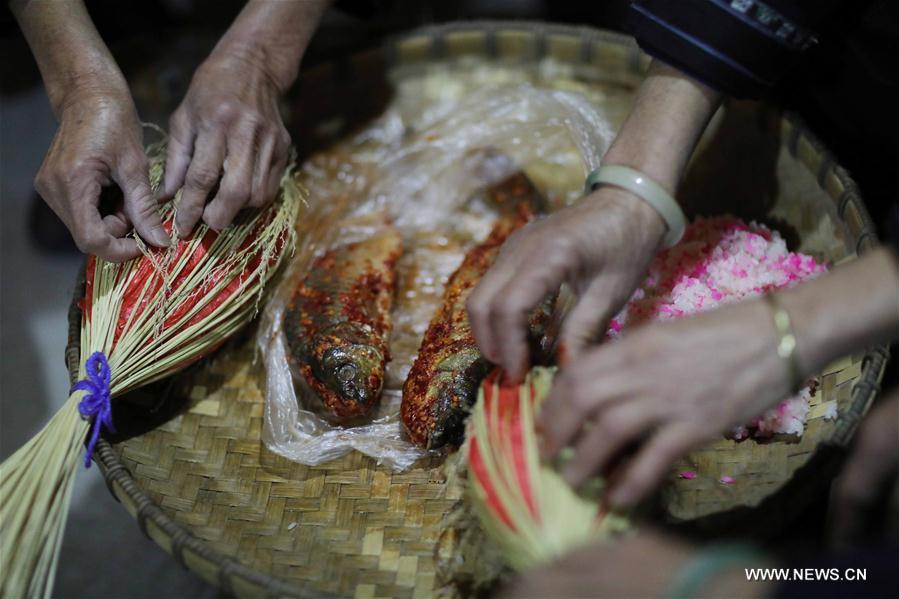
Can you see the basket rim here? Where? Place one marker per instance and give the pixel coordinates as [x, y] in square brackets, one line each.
[123, 486]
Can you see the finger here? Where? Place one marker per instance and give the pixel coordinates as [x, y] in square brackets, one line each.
[92, 237]
[202, 176]
[562, 306]
[508, 315]
[860, 481]
[479, 305]
[873, 461]
[132, 175]
[178, 152]
[273, 187]
[510, 326]
[234, 191]
[588, 320]
[117, 224]
[481, 301]
[578, 393]
[605, 435]
[270, 169]
[877, 451]
[259, 193]
[653, 462]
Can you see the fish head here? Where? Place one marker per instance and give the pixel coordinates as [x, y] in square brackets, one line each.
[455, 387]
[353, 374]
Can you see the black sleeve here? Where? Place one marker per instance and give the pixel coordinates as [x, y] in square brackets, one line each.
[740, 47]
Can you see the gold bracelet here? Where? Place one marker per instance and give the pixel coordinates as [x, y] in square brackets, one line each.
[786, 345]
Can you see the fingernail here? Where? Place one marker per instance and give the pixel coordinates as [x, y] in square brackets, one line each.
[159, 237]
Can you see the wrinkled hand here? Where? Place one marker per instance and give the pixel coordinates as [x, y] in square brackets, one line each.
[99, 142]
[600, 246]
[227, 133]
[647, 564]
[873, 464]
[644, 565]
[668, 386]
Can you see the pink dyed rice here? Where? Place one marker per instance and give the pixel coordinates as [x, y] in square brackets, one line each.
[720, 261]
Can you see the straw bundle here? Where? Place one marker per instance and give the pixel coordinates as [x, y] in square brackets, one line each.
[142, 320]
[526, 508]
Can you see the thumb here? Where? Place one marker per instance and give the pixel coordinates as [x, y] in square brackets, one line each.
[132, 176]
[587, 321]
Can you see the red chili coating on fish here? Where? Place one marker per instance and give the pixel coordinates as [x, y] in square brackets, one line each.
[338, 322]
[437, 392]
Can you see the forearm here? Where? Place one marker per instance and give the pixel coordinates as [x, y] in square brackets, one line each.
[668, 117]
[70, 54]
[849, 309]
[273, 36]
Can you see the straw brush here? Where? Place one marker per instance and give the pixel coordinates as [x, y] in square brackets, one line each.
[142, 320]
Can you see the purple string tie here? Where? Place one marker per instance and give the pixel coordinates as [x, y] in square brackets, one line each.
[95, 405]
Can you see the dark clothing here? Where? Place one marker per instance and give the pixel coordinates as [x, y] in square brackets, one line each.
[741, 47]
[835, 62]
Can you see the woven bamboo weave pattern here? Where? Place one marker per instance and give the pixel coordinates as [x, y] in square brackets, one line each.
[343, 528]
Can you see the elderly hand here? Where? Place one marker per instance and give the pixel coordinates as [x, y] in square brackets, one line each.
[600, 246]
[647, 564]
[872, 465]
[640, 566]
[670, 387]
[100, 142]
[227, 139]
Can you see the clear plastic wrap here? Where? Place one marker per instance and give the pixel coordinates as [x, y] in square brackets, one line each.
[421, 165]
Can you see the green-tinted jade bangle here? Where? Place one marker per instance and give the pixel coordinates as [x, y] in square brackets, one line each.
[709, 563]
[647, 190]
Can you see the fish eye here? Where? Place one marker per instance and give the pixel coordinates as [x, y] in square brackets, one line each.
[346, 372]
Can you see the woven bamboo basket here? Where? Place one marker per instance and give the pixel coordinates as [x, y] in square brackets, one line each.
[188, 462]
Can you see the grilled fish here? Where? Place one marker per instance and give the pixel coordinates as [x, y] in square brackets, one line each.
[443, 382]
[338, 323]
